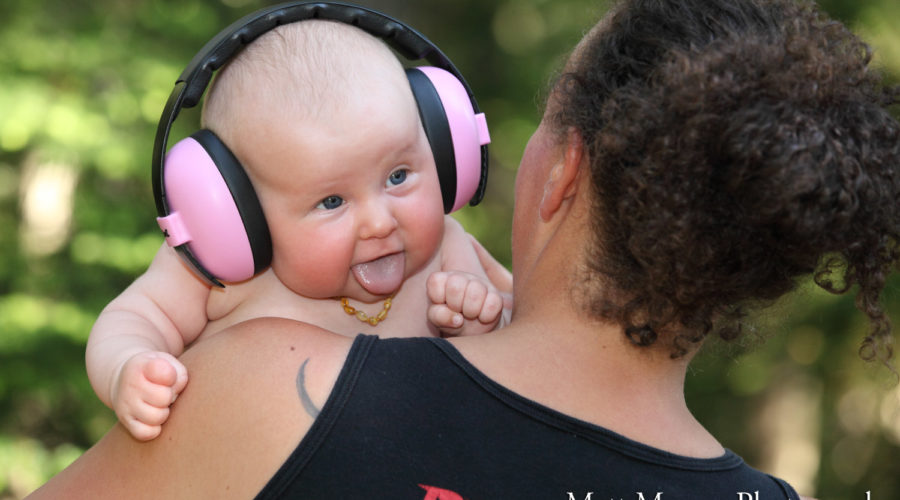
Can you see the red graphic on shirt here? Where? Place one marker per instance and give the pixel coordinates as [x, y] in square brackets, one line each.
[435, 493]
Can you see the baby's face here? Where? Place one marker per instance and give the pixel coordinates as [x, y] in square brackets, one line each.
[352, 197]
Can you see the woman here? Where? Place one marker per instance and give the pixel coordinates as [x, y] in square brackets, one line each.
[695, 159]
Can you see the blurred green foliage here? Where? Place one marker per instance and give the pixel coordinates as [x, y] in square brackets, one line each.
[82, 85]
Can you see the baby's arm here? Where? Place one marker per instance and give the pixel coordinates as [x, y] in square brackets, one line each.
[472, 293]
[131, 352]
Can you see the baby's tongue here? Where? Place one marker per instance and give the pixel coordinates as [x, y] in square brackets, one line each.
[381, 276]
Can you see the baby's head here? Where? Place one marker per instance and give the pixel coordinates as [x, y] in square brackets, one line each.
[321, 116]
[304, 71]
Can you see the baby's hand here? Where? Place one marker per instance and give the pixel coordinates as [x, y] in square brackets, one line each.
[462, 303]
[145, 387]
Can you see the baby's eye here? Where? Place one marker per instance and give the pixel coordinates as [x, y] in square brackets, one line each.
[331, 202]
[397, 177]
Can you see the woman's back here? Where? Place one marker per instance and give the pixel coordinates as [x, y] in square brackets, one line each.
[451, 430]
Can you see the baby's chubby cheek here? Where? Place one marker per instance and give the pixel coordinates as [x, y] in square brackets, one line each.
[312, 272]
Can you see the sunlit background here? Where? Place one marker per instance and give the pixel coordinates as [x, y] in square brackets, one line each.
[82, 84]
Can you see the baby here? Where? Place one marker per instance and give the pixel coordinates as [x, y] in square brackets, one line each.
[322, 117]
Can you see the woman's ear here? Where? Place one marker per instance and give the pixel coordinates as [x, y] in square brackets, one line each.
[562, 185]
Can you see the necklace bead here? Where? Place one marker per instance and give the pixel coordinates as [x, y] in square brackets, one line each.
[362, 316]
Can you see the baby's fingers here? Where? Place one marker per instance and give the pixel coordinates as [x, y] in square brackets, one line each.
[151, 415]
[492, 308]
[157, 396]
[146, 424]
[473, 300]
[436, 287]
[143, 417]
[444, 318]
[166, 370]
[159, 371]
[456, 288]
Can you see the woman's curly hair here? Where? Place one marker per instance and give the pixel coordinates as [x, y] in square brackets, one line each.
[735, 146]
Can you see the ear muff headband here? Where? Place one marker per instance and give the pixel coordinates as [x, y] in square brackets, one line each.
[193, 81]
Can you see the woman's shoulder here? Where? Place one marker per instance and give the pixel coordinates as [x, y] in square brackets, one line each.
[242, 413]
[252, 355]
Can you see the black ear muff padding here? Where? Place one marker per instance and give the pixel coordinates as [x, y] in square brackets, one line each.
[437, 129]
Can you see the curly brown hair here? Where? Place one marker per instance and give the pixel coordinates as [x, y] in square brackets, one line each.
[735, 146]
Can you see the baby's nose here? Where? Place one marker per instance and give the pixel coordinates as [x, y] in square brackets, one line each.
[378, 221]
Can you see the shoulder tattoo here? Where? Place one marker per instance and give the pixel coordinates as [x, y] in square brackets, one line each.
[308, 405]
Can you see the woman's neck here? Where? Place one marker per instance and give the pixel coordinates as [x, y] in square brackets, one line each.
[589, 370]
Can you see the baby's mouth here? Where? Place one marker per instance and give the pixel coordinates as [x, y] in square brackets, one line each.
[383, 275]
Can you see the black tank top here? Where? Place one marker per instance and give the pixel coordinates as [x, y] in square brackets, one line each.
[412, 419]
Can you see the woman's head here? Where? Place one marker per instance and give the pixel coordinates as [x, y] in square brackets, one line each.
[735, 146]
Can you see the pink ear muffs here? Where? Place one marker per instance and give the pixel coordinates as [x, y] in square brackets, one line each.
[207, 207]
[455, 131]
[213, 209]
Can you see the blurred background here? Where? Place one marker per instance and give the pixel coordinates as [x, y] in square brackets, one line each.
[82, 85]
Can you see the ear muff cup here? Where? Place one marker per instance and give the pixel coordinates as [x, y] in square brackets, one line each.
[455, 131]
[215, 217]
